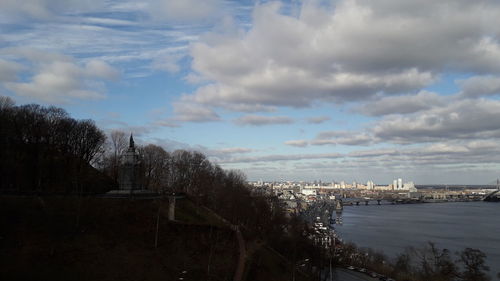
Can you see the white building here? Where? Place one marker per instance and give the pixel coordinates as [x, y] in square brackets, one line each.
[370, 185]
[309, 191]
[408, 185]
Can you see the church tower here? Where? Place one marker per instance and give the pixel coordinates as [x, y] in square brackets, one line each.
[129, 170]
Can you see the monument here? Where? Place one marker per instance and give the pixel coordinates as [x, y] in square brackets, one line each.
[129, 173]
[131, 176]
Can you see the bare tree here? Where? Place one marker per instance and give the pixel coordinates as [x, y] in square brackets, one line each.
[474, 265]
[6, 102]
[403, 265]
[181, 160]
[118, 142]
[155, 161]
[436, 264]
[118, 145]
[87, 140]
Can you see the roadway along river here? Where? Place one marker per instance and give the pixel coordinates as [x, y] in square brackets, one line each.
[454, 226]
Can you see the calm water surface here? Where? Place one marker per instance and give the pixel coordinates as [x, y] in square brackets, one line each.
[454, 226]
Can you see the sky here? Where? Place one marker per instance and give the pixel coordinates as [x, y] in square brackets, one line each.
[330, 90]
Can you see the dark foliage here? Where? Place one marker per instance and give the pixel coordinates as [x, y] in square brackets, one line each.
[428, 263]
[44, 150]
[473, 261]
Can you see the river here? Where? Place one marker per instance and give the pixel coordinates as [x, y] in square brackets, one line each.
[454, 226]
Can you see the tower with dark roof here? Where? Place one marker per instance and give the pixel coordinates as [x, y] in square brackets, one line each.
[129, 170]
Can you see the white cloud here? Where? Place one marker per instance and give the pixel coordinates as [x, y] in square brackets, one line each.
[184, 11]
[402, 104]
[9, 70]
[46, 10]
[297, 143]
[222, 154]
[107, 21]
[37, 56]
[374, 153]
[193, 78]
[124, 37]
[100, 69]
[343, 138]
[58, 78]
[233, 150]
[168, 63]
[478, 86]
[282, 157]
[257, 120]
[462, 119]
[192, 112]
[318, 119]
[166, 123]
[353, 51]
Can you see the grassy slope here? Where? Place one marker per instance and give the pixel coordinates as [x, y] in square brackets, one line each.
[68, 238]
[112, 239]
[266, 265]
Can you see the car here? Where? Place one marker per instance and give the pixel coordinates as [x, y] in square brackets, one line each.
[350, 267]
[373, 274]
[362, 270]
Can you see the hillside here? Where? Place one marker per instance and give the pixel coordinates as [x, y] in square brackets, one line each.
[71, 238]
[111, 239]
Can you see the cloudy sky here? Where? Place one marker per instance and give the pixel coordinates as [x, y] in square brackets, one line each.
[300, 90]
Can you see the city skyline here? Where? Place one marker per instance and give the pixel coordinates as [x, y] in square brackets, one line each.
[299, 90]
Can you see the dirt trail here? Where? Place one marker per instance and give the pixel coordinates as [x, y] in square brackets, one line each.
[240, 269]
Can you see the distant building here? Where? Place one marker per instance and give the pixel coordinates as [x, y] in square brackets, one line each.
[309, 192]
[400, 183]
[408, 185]
[370, 185]
[395, 184]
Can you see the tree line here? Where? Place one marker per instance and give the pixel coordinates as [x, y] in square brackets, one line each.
[43, 149]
